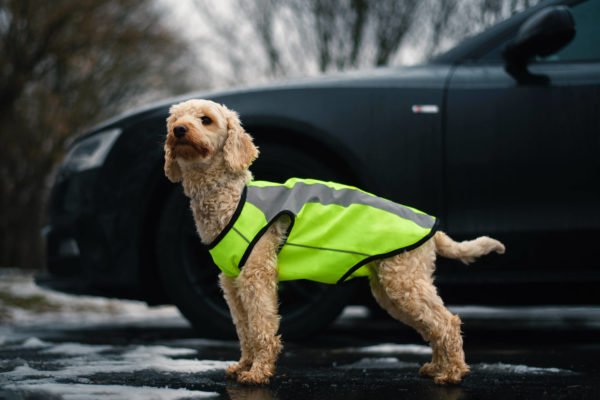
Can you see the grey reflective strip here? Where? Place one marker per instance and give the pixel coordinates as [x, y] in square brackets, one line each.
[271, 200]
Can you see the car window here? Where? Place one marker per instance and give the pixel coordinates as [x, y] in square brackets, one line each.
[586, 44]
[584, 47]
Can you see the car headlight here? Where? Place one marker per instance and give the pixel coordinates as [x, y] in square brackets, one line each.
[88, 153]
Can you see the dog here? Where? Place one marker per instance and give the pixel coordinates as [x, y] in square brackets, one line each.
[208, 151]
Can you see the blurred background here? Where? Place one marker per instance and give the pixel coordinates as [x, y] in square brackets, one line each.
[531, 326]
[66, 65]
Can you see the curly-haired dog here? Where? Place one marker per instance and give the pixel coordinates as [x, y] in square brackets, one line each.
[209, 152]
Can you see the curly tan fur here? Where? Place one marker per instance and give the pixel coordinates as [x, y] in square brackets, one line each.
[212, 160]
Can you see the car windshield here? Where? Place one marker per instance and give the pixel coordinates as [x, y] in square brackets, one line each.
[480, 25]
[582, 48]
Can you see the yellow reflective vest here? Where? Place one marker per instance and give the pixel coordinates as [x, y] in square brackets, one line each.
[336, 230]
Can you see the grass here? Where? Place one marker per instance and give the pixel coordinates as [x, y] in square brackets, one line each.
[39, 304]
[19, 297]
[35, 302]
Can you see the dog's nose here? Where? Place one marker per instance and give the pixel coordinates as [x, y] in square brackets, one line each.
[179, 131]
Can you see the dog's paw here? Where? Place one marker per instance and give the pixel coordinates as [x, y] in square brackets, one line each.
[452, 376]
[253, 378]
[234, 369]
[429, 369]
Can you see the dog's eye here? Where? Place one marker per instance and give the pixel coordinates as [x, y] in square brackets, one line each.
[206, 120]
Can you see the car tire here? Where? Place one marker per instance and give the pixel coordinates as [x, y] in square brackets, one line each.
[190, 278]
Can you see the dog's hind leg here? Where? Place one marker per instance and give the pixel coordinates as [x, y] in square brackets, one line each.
[395, 312]
[240, 320]
[403, 285]
[257, 286]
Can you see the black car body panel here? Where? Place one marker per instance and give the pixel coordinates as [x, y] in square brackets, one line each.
[517, 162]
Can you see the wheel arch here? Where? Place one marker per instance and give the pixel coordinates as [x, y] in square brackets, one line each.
[314, 142]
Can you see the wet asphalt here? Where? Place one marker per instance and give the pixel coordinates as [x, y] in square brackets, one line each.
[548, 357]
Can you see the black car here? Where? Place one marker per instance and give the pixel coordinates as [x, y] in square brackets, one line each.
[499, 136]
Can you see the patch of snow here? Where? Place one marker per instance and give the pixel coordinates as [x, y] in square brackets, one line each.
[48, 311]
[86, 361]
[76, 349]
[527, 312]
[82, 361]
[163, 351]
[156, 357]
[34, 343]
[160, 351]
[199, 342]
[72, 391]
[6, 335]
[380, 363]
[588, 316]
[389, 348]
[354, 312]
[24, 370]
[519, 369]
[55, 310]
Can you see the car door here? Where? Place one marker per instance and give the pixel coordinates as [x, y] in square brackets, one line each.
[523, 160]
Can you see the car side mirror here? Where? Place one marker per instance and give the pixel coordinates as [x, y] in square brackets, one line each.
[542, 34]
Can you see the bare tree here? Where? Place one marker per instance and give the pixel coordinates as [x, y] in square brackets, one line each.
[267, 39]
[336, 33]
[65, 65]
[339, 29]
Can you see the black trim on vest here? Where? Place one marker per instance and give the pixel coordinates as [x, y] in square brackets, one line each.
[390, 254]
[234, 217]
[262, 232]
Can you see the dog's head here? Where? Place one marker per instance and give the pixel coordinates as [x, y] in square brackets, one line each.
[202, 132]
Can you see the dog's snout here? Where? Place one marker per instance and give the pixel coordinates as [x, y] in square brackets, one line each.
[179, 131]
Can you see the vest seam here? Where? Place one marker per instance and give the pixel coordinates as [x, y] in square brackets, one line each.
[327, 249]
[236, 230]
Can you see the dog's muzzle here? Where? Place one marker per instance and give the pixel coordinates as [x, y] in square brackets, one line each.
[180, 131]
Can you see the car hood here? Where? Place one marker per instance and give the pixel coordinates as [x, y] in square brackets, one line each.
[427, 76]
[423, 76]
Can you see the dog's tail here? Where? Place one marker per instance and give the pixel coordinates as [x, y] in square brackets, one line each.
[468, 250]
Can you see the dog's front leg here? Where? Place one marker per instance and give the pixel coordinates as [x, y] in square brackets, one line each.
[257, 288]
[240, 321]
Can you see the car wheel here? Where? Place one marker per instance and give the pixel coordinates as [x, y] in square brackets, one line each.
[190, 279]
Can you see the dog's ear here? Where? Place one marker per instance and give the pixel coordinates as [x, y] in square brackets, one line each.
[239, 150]
[172, 170]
